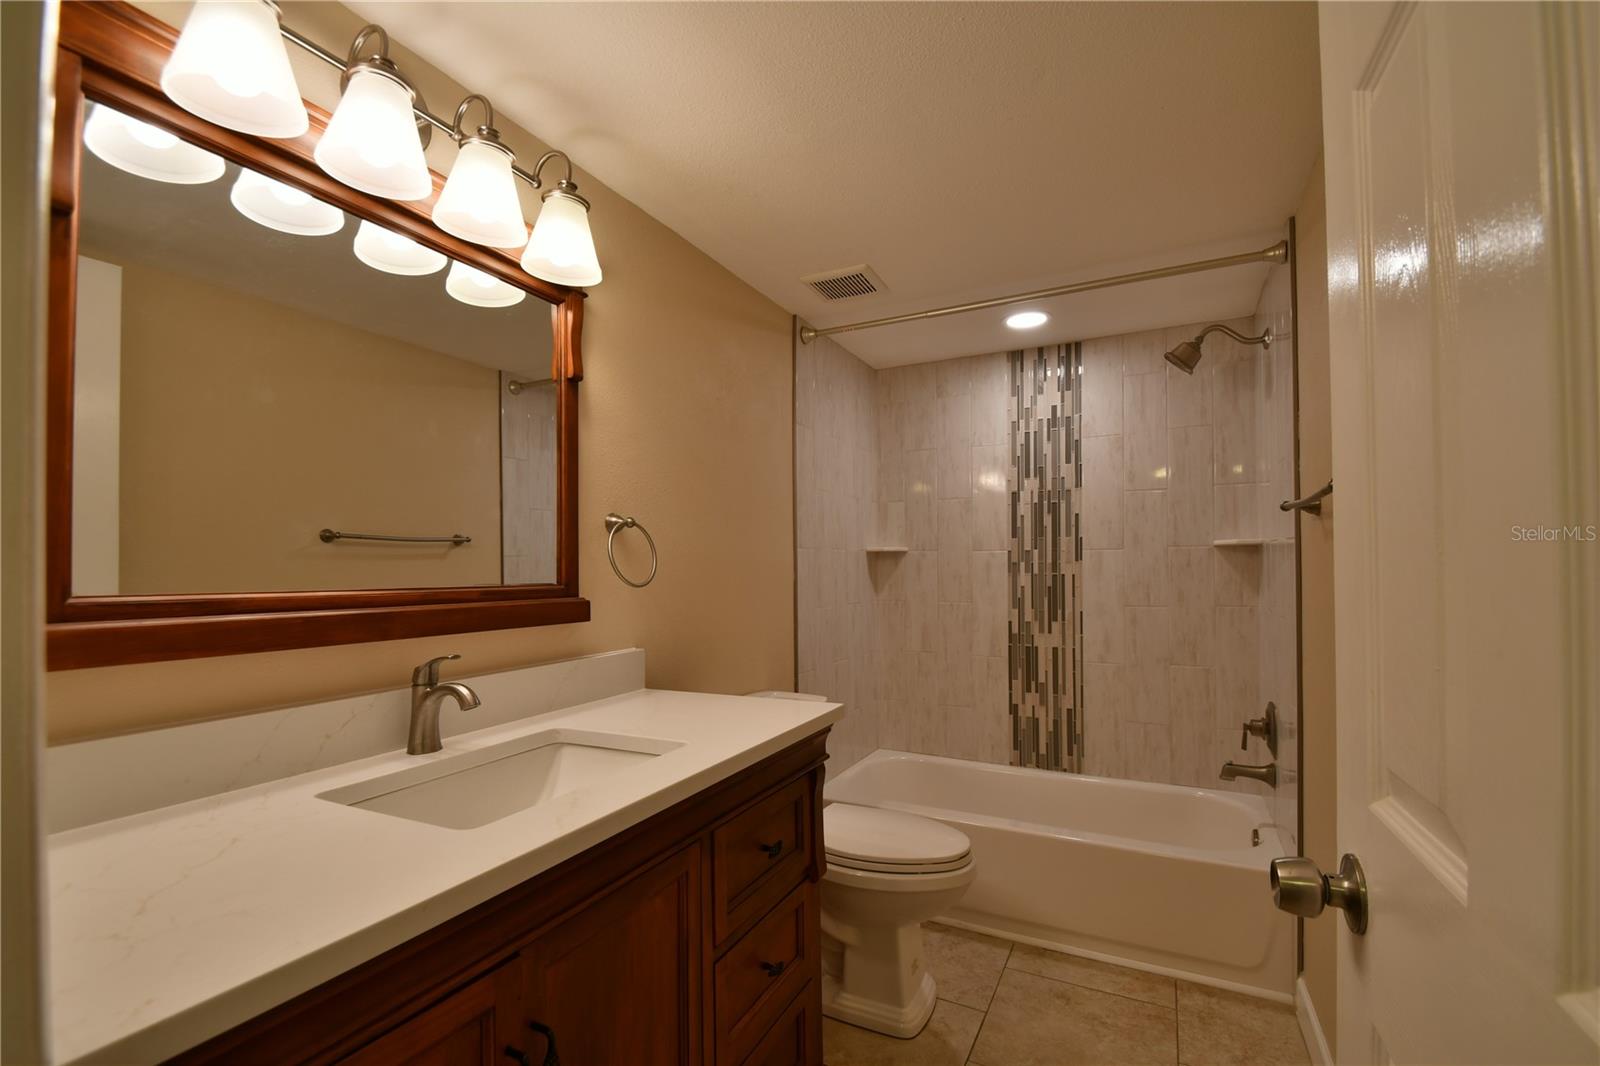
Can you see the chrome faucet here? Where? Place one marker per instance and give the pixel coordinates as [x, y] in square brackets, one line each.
[1267, 773]
[427, 693]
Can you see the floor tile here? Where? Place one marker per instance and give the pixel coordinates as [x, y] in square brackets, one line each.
[1218, 1028]
[966, 966]
[944, 1041]
[1036, 1021]
[1135, 984]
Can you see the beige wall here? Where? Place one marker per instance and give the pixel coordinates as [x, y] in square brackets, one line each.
[248, 426]
[685, 421]
[1318, 802]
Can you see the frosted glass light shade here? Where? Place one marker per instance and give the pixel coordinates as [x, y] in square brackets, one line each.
[562, 248]
[472, 286]
[230, 67]
[148, 151]
[394, 254]
[479, 201]
[371, 142]
[283, 207]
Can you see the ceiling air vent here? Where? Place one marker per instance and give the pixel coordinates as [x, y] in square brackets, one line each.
[846, 283]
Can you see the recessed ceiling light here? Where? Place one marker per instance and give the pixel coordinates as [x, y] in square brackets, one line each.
[1027, 319]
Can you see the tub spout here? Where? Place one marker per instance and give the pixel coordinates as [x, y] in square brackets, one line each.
[1267, 773]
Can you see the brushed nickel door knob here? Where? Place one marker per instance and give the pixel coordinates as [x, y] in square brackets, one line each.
[1299, 887]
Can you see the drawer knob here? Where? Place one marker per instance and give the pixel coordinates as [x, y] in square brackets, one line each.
[772, 850]
[773, 969]
[517, 1055]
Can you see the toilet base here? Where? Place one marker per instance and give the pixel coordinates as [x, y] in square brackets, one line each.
[903, 1021]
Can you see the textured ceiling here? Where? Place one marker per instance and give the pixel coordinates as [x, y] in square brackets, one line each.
[962, 150]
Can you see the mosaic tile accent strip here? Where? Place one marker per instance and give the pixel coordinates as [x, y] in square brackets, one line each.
[1045, 558]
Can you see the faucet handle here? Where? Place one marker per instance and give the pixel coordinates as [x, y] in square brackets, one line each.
[1265, 727]
[428, 673]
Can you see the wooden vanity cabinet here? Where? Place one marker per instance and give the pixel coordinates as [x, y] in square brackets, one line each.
[618, 981]
[691, 939]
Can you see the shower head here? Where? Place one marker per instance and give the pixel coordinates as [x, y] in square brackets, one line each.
[1186, 356]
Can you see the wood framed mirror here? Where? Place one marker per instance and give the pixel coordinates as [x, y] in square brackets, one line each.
[257, 438]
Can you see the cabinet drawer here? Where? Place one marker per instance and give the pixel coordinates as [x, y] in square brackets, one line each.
[759, 855]
[761, 974]
[795, 1039]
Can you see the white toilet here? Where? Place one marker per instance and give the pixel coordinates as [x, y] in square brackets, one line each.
[888, 872]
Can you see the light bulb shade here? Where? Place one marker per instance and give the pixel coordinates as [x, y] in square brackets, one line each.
[283, 207]
[371, 142]
[562, 248]
[148, 151]
[230, 67]
[391, 253]
[472, 286]
[479, 201]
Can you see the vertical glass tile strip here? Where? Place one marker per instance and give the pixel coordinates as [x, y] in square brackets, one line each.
[1045, 619]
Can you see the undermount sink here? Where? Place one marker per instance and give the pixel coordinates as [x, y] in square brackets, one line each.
[479, 787]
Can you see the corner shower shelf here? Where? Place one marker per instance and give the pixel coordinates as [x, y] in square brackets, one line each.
[1240, 542]
[892, 549]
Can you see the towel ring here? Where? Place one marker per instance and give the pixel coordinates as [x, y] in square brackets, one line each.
[615, 522]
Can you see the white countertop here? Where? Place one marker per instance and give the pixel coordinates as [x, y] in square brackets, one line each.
[171, 926]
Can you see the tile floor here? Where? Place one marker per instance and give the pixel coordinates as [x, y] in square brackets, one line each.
[1005, 1004]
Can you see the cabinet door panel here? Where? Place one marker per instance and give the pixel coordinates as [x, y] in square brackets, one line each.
[618, 983]
[470, 1027]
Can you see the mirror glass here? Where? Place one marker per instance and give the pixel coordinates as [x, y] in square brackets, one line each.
[259, 377]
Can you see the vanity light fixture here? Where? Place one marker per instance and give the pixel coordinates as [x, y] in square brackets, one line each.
[230, 67]
[479, 201]
[1027, 319]
[561, 248]
[148, 151]
[283, 207]
[392, 253]
[373, 142]
[472, 286]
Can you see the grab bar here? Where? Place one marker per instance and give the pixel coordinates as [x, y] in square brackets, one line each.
[330, 535]
[1311, 504]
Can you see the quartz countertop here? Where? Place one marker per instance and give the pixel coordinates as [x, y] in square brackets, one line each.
[173, 925]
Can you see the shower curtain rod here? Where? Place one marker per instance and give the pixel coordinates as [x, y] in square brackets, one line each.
[1277, 253]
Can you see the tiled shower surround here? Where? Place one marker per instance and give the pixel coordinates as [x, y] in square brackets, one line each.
[528, 448]
[1187, 558]
[1183, 637]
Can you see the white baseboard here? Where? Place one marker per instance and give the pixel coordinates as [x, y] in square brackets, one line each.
[1305, 1012]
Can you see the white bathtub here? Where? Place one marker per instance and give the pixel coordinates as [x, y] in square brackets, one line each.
[1157, 877]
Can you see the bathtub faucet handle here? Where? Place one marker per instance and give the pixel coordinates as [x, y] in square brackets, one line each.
[1265, 727]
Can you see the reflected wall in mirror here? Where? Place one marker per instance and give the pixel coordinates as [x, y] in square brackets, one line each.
[254, 366]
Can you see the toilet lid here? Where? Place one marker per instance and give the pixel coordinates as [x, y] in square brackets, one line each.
[871, 838]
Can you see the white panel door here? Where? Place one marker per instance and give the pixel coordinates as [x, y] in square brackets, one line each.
[1461, 178]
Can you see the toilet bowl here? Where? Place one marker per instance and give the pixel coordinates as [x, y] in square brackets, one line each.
[888, 872]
